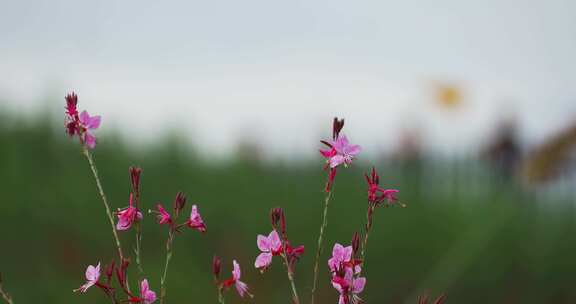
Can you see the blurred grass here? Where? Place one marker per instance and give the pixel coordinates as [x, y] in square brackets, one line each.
[479, 238]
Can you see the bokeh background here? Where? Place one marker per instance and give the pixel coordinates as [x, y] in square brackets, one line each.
[468, 108]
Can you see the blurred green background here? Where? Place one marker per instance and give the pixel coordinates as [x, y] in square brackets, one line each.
[468, 231]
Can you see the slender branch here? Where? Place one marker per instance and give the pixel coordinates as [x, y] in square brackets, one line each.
[320, 239]
[368, 228]
[168, 258]
[220, 295]
[138, 246]
[138, 237]
[295, 297]
[104, 200]
[4, 293]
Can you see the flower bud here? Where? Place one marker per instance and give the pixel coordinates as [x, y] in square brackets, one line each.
[179, 203]
[355, 242]
[216, 265]
[337, 126]
[135, 179]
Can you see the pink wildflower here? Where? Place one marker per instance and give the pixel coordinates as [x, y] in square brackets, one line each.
[270, 246]
[87, 123]
[342, 258]
[240, 286]
[195, 221]
[163, 216]
[340, 152]
[349, 287]
[376, 194]
[127, 216]
[92, 277]
[147, 296]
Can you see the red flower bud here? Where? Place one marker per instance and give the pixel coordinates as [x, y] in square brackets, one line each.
[179, 203]
[135, 179]
[216, 265]
[337, 126]
[355, 242]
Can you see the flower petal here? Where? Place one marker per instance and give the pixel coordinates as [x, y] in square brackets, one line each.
[263, 243]
[358, 285]
[263, 260]
[274, 240]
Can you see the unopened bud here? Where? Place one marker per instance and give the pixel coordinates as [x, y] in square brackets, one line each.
[337, 126]
[355, 242]
[179, 203]
[216, 265]
[135, 178]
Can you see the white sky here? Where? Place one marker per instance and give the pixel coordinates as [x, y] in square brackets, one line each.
[277, 71]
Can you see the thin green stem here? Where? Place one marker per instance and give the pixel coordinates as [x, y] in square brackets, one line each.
[320, 239]
[168, 258]
[295, 297]
[4, 294]
[104, 200]
[220, 295]
[368, 228]
[138, 246]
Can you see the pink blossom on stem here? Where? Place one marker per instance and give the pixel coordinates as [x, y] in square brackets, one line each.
[195, 221]
[87, 123]
[340, 152]
[240, 286]
[163, 216]
[127, 216]
[342, 259]
[147, 296]
[349, 287]
[376, 194]
[92, 277]
[270, 246]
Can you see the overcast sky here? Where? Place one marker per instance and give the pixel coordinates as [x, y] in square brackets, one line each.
[277, 71]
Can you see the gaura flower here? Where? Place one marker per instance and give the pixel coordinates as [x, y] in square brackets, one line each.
[195, 221]
[342, 259]
[147, 296]
[240, 286]
[269, 246]
[127, 216]
[163, 216]
[92, 277]
[349, 287]
[340, 152]
[88, 123]
[376, 194]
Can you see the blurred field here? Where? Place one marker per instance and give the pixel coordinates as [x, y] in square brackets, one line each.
[467, 232]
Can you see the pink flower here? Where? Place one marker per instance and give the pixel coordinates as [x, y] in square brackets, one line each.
[270, 246]
[195, 221]
[241, 287]
[376, 194]
[163, 216]
[87, 123]
[342, 259]
[349, 287]
[127, 216]
[341, 152]
[147, 296]
[92, 277]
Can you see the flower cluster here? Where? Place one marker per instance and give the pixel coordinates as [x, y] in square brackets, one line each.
[345, 270]
[80, 124]
[274, 245]
[194, 221]
[146, 295]
[345, 264]
[339, 151]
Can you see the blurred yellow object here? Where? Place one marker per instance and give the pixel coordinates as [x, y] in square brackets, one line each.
[449, 96]
[547, 161]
